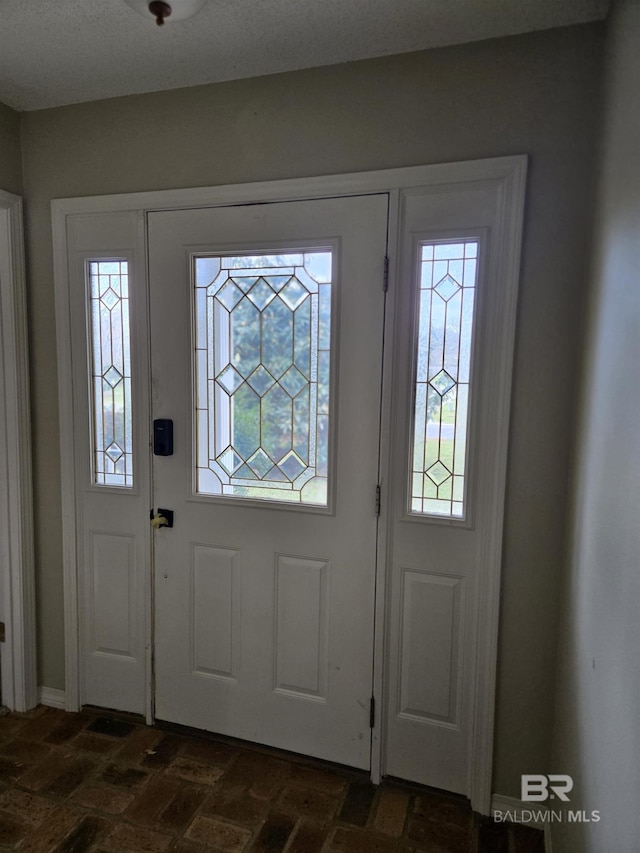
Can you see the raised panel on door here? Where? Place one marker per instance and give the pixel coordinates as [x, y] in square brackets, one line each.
[214, 621]
[301, 626]
[430, 676]
[266, 326]
[112, 619]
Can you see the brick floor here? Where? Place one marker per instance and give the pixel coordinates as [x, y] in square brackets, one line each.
[95, 783]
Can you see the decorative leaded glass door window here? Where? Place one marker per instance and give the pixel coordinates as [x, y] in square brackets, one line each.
[111, 409]
[447, 282]
[262, 375]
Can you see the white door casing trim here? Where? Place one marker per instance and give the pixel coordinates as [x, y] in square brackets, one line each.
[515, 807]
[507, 175]
[67, 462]
[19, 682]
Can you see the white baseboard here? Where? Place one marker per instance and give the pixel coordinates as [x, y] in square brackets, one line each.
[513, 808]
[52, 698]
[547, 839]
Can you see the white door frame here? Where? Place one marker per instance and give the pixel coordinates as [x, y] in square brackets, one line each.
[507, 176]
[17, 582]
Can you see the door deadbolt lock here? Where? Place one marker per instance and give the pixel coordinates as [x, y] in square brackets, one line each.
[161, 518]
[163, 437]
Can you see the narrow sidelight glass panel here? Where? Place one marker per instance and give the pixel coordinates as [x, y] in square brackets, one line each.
[111, 404]
[262, 374]
[447, 280]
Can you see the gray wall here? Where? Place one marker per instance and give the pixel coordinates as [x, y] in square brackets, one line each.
[10, 154]
[597, 738]
[536, 94]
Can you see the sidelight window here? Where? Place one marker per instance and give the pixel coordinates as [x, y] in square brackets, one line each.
[447, 273]
[111, 403]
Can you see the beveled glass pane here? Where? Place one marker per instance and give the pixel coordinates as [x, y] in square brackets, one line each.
[276, 422]
[448, 250]
[246, 421]
[324, 319]
[277, 338]
[302, 339]
[262, 375]
[111, 403]
[318, 265]
[301, 419]
[442, 370]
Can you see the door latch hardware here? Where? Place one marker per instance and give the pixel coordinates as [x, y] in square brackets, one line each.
[2, 633]
[161, 518]
[372, 713]
[163, 437]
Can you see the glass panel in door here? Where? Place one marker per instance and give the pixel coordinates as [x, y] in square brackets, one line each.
[262, 374]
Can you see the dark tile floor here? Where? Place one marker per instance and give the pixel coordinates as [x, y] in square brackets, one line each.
[86, 782]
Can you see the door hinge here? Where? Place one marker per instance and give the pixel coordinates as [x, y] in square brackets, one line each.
[2, 633]
[378, 498]
[385, 284]
[372, 713]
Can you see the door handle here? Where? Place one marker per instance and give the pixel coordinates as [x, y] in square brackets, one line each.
[161, 518]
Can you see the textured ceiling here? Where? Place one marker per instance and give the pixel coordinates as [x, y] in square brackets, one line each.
[55, 52]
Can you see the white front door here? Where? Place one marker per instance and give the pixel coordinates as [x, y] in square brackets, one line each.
[266, 353]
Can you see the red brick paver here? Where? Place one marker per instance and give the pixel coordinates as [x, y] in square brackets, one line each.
[100, 783]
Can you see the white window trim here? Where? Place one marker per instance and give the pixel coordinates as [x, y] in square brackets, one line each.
[508, 175]
[17, 581]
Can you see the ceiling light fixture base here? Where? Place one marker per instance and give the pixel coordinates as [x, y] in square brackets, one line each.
[160, 10]
[166, 12]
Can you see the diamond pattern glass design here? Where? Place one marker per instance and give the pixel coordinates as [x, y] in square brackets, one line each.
[262, 375]
[448, 273]
[111, 405]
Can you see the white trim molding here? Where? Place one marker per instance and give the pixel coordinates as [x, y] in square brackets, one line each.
[50, 697]
[548, 846]
[17, 577]
[67, 465]
[514, 808]
[508, 175]
[508, 255]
